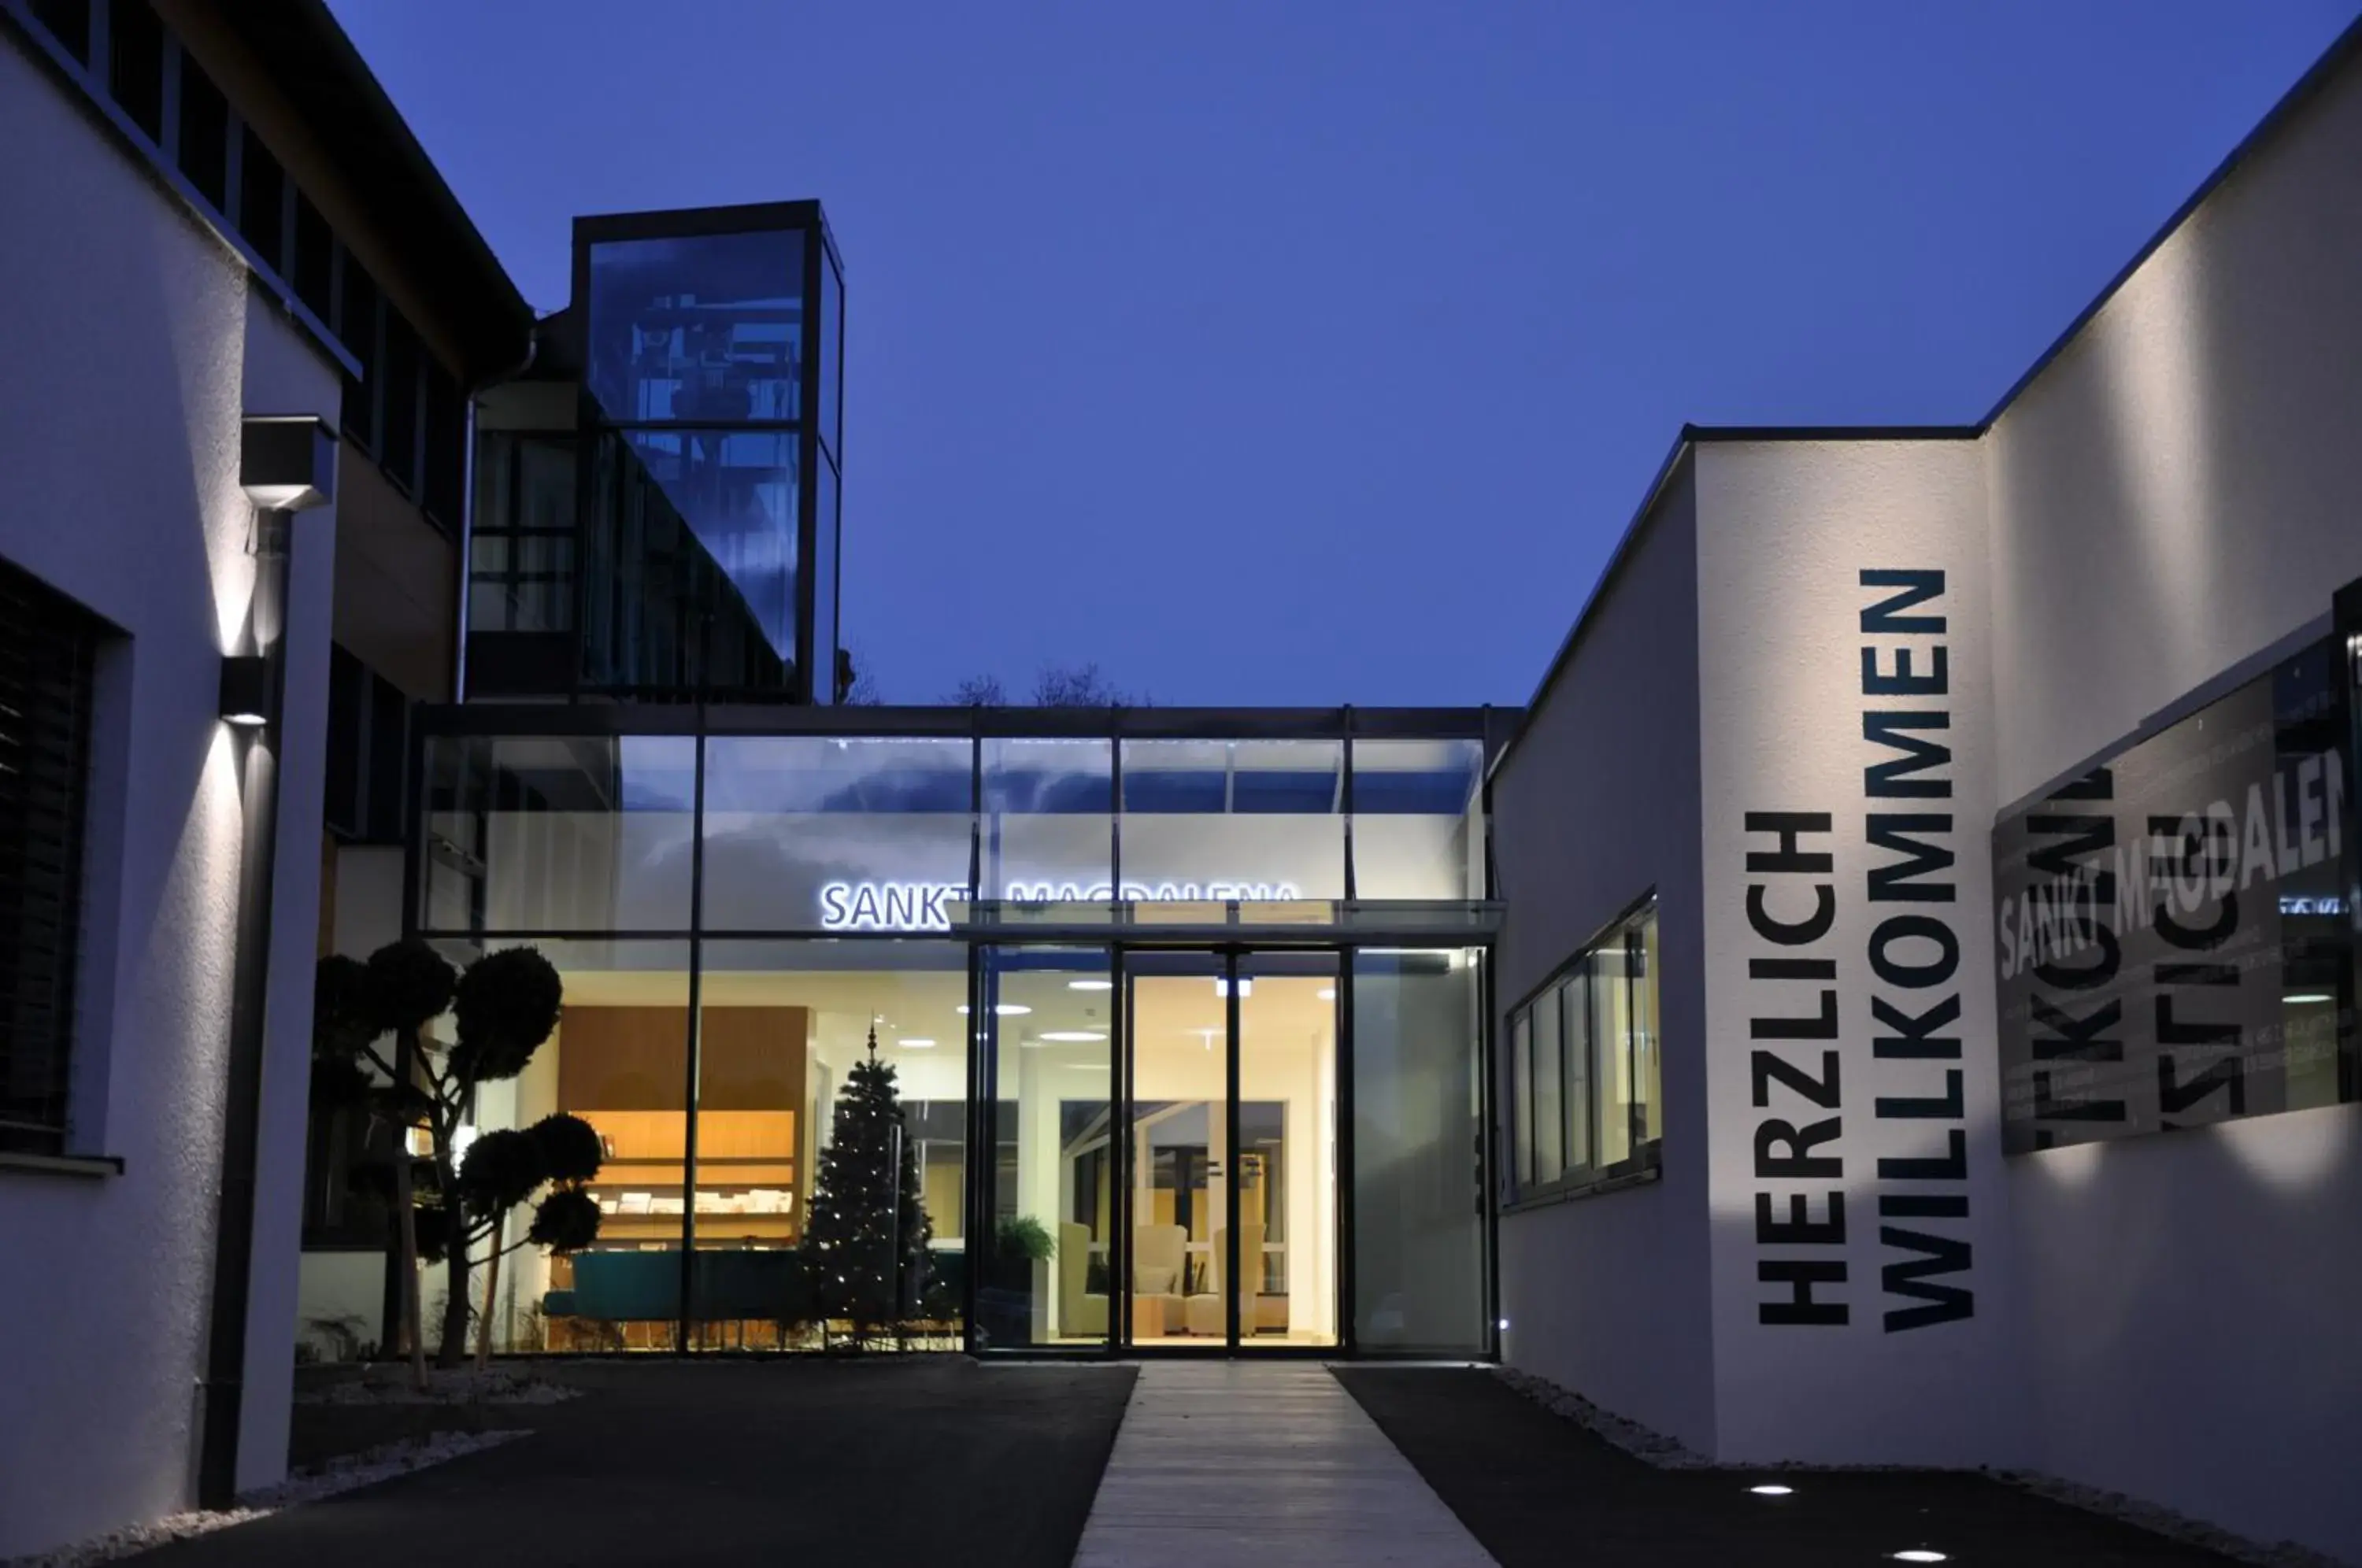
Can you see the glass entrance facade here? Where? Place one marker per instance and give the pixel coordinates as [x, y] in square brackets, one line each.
[1186, 1027]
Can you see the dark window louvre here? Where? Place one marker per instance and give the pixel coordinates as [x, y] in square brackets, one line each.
[135, 64]
[47, 649]
[204, 134]
[261, 201]
[68, 21]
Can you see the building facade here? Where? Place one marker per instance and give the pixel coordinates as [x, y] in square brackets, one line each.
[1889, 999]
[218, 232]
[1995, 786]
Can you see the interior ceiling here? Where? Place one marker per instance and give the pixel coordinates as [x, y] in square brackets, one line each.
[925, 1004]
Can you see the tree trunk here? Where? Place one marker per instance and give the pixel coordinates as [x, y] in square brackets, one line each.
[491, 1295]
[455, 1306]
[405, 1208]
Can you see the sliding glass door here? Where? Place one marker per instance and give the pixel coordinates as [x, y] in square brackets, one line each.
[1230, 1170]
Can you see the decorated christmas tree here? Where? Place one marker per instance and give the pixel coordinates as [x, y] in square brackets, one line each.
[865, 1237]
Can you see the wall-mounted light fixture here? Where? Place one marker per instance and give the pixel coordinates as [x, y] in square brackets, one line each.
[287, 464]
[246, 689]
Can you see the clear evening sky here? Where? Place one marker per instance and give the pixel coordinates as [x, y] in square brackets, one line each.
[1306, 354]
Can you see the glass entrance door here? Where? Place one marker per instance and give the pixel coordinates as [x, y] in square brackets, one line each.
[1231, 1157]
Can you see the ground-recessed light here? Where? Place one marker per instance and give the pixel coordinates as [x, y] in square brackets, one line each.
[917, 1044]
[1772, 1490]
[1073, 1036]
[2302, 997]
[1921, 1554]
[1090, 985]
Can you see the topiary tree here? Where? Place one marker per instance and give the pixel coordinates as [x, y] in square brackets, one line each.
[502, 1009]
[866, 1241]
[501, 1170]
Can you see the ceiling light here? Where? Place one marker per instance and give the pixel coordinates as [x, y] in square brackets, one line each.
[1771, 1491]
[1090, 985]
[1921, 1554]
[2302, 997]
[916, 1045]
[1006, 1010]
[1222, 987]
[1073, 1036]
[1326, 993]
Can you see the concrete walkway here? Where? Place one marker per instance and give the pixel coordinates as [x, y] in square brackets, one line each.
[1260, 1464]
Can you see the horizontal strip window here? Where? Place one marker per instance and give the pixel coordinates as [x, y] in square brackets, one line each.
[1585, 1075]
[124, 58]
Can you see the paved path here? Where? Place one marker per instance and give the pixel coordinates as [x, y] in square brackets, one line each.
[1259, 1464]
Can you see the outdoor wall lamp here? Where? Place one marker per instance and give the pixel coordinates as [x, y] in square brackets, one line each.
[244, 690]
[285, 465]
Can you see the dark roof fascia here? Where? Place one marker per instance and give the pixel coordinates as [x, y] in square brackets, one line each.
[2308, 88]
[675, 222]
[1483, 724]
[342, 103]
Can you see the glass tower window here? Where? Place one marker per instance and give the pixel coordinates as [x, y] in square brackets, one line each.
[698, 329]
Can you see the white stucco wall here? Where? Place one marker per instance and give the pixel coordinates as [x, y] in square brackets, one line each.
[2177, 492]
[137, 350]
[1792, 536]
[1596, 805]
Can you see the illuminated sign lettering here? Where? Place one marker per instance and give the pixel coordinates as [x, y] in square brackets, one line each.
[922, 906]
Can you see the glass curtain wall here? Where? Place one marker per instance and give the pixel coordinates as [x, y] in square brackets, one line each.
[1044, 1030]
[693, 560]
[736, 919]
[1418, 1225]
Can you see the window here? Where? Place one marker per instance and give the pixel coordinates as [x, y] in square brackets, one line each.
[2176, 927]
[1585, 1098]
[522, 572]
[357, 326]
[135, 65]
[204, 134]
[444, 465]
[68, 21]
[261, 201]
[398, 402]
[316, 259]
[47, 649]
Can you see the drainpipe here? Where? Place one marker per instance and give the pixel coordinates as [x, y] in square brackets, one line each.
[284, 466]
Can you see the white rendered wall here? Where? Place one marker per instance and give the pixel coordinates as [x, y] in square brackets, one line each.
[1598, 804]
[1874, 1370]
[140, 354]
[2179, 490]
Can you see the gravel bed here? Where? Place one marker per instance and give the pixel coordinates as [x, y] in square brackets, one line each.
[391, 1385]
[365, 1469]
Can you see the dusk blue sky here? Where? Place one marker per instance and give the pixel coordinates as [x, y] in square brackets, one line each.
[1297, 354]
